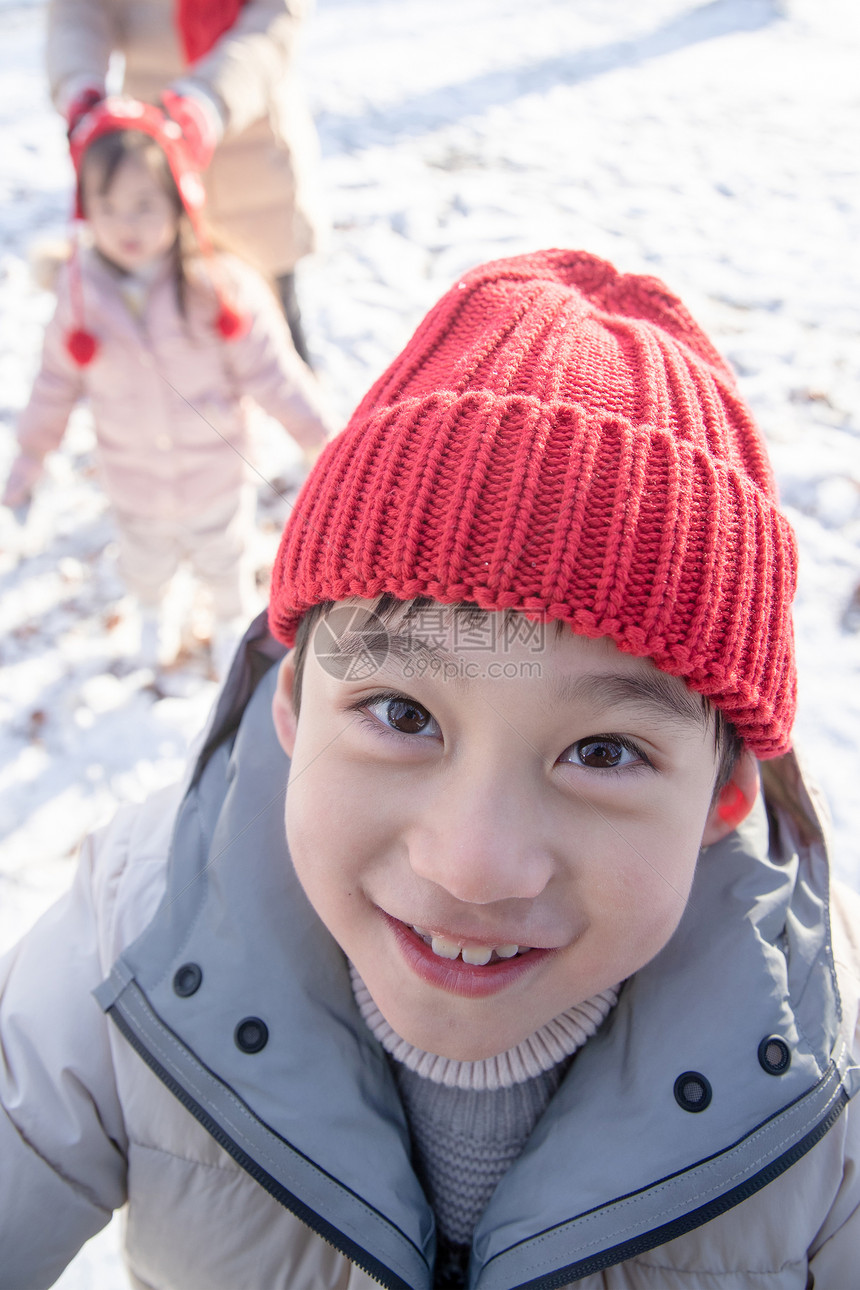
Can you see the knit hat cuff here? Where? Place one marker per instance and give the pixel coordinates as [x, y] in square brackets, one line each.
[617, 530]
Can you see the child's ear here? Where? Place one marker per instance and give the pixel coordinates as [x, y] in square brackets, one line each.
[734, 801]
[283, 712]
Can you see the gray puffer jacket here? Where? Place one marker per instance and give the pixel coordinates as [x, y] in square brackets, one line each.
[224, 1087]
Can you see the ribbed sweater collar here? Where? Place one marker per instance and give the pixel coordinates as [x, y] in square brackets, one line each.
[552, 1043]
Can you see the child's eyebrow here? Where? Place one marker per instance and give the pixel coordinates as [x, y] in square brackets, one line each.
[663, 696]
[354, 644]
[402, 648]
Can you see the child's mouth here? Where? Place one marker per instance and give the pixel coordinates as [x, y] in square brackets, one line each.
[475, 955]
[473, 970]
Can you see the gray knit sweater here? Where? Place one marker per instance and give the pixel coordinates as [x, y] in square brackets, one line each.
[470, 1120]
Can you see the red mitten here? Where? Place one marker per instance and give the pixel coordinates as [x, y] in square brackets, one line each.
[199, 130]
[82, 103]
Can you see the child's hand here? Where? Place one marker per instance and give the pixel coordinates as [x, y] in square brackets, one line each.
[197, 118]
[83, 102]
[22, 477]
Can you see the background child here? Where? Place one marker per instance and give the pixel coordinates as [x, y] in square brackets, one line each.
[166, 338]
[544, 992]
[228, 73]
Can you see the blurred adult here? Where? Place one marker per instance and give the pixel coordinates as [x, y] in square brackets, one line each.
[224, 70]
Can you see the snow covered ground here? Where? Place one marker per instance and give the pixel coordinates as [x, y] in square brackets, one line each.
[712, 144]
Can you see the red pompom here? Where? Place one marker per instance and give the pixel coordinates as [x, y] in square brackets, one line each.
[82, 346]
[230, 323]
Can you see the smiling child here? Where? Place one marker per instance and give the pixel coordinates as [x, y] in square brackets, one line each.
[471, 952]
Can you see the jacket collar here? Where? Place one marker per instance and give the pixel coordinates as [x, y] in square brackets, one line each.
[615, 1165]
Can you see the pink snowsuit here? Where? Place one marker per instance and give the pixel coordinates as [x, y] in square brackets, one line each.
[170, 400]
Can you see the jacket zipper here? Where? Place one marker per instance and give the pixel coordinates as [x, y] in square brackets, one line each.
[374, 1269]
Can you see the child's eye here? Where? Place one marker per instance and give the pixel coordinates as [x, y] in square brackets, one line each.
[603, 752]
[403, 715]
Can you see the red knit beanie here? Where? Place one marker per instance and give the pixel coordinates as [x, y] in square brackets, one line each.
[112, 114]
[562, 439]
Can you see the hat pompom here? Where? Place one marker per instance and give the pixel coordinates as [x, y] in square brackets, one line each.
[82, 346]
[230, 323]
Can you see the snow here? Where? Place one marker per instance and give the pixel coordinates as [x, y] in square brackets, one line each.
[713, 145]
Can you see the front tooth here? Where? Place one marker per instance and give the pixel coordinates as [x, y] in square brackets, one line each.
[444, 948]
[477, 955]
[420, 931]
[507, 951]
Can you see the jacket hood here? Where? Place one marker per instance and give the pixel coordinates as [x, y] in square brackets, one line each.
[678, 1108]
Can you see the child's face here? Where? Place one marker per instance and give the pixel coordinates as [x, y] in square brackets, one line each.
[484, 796]
[134, 221]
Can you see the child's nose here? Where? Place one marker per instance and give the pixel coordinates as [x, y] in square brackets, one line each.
[482, 846]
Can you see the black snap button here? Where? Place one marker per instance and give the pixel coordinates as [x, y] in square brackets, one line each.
[186, 980]
[774, 1055]
[692, 1091]
[251, 1035]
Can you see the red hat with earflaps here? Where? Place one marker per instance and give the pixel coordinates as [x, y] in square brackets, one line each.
[562, 439]
[108, 116]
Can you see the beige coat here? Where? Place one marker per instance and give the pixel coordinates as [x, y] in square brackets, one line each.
[260, 182]
[169, 396]
[88, 1126]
